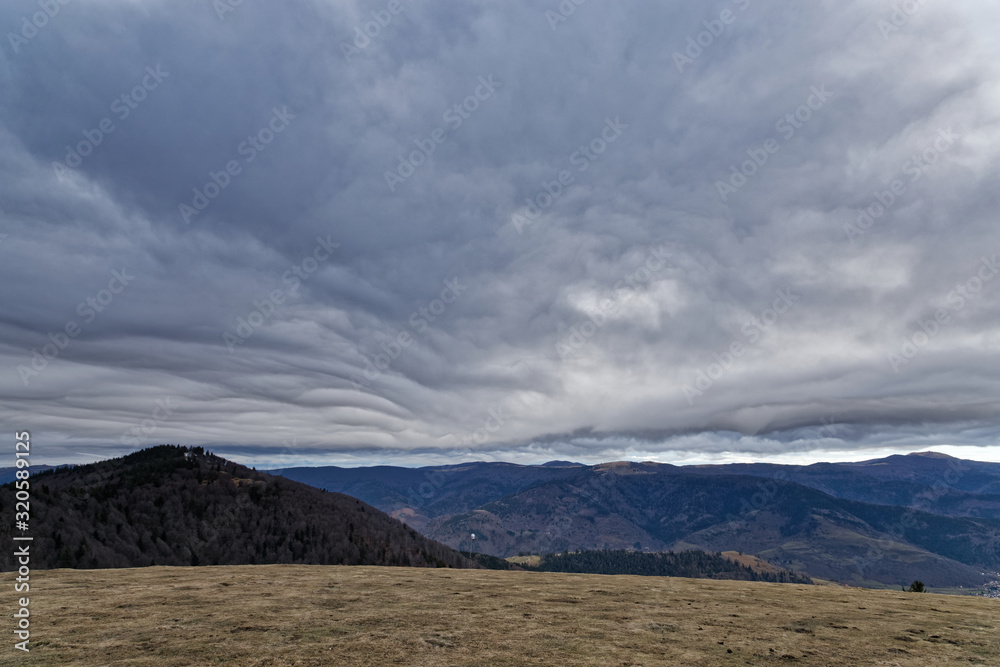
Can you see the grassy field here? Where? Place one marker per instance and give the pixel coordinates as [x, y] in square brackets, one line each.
[315, 615]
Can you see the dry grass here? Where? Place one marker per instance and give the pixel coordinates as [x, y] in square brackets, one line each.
[533, 561]
[313, 615]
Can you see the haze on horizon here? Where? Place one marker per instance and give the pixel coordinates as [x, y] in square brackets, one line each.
[394, 232]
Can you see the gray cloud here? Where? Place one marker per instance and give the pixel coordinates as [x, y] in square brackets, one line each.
[752, 165]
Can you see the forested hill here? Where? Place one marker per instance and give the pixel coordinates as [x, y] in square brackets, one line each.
[172, 505]
[692, 564]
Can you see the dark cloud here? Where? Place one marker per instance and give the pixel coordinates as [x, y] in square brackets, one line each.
[587, 246]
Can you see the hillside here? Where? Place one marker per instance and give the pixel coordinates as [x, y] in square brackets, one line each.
[631, 506]
[176, 506]
[886, 521]
[277, 615]
[931, 482]
[420, 494]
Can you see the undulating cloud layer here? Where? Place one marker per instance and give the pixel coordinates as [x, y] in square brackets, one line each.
[406, 231]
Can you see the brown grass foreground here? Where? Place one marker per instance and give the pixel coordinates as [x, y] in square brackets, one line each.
[316, 615]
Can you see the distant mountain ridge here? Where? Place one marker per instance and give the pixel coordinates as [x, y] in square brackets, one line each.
[886, 521]
[889, 521]
[177, 506]
[930, 481]
[7, 474]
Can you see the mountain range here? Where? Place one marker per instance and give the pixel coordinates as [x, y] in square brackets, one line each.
[886, 522]
[881, 522]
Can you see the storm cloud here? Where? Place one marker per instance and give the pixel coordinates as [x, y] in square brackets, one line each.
[404, 231]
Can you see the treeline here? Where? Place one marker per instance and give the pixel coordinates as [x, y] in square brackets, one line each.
[172, 505]
[490, 562]
[692, 564]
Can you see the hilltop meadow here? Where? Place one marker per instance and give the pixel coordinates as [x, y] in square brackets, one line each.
[360, 615]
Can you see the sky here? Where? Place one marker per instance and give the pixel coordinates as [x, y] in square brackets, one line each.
[407, 232]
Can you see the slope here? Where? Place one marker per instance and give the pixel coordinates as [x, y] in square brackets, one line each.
[176, 506]
[640, 507]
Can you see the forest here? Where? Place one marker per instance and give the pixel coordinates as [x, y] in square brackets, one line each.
[691, 564]
[171, 505]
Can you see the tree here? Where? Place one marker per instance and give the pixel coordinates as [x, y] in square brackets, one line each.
[917, 586]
